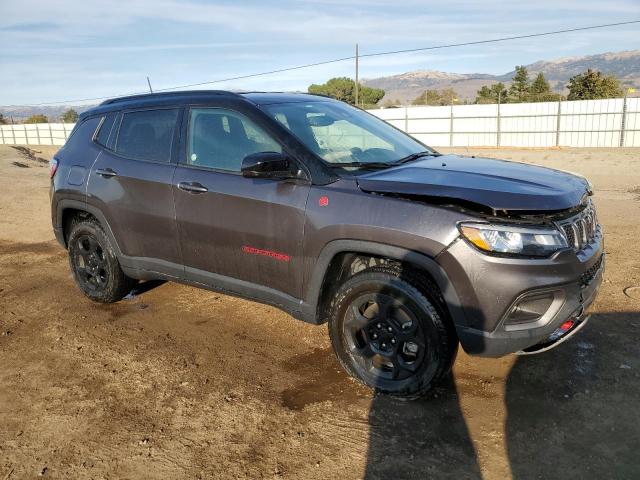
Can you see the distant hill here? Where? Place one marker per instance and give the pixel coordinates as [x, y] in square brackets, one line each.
[20, 113]
[407, 86]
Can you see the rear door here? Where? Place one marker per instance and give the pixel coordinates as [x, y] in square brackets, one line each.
[130, 183]
[240, 228]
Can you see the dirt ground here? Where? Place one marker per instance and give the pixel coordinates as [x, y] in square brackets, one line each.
[178, 383]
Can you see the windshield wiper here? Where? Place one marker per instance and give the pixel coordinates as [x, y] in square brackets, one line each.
[415, 156]
[375, 165]
[380, 165]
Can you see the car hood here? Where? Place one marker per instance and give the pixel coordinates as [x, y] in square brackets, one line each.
[497, 184]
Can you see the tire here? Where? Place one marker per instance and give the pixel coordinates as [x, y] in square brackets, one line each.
[391, 331]
[94, 265]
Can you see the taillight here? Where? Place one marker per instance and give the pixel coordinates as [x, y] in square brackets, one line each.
[53, 167]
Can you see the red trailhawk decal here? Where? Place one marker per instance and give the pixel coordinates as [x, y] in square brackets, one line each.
[282, 257]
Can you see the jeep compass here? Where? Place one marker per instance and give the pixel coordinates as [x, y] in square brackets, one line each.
[334, 216]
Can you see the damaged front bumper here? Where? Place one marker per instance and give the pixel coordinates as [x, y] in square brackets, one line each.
[491, 289]
[560, 335]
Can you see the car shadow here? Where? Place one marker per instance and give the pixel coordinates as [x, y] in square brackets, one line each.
[146, 286]
[573, 412]
[420, 439]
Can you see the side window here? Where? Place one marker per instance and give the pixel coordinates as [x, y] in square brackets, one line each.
[147, 135]
[82, 133]
[220, 139]
[105, 129]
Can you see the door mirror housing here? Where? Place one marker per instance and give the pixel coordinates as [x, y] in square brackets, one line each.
[269, 165]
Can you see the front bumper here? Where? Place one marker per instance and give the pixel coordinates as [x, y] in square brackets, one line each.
[489, 287]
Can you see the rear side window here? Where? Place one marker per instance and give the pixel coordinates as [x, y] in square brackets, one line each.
[82, 133]
[105, 129]
[147, 135]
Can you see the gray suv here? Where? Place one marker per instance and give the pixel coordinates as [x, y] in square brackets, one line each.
[334, 216]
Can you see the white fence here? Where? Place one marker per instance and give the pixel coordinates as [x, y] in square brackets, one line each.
[584, 123]
[35, 133]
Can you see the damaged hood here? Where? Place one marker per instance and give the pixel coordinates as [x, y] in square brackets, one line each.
[497, 184]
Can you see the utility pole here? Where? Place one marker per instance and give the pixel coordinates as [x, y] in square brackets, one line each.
[357, 76]
[149, 83]
[498, 121]
[624, 117]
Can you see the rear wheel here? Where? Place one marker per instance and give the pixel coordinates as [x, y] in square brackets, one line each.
[94, 264]
[390, 331]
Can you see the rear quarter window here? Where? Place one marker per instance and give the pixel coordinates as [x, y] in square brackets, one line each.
[105, 129]
[82, 133]
[147, 135]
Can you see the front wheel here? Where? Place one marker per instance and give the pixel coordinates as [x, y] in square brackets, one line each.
[390, 332]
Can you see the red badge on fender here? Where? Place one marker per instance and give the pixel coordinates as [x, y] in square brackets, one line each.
[324, 201]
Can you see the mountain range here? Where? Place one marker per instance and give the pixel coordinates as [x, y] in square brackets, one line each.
[407, 86]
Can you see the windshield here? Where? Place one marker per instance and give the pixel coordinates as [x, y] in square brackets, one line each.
[341, 134]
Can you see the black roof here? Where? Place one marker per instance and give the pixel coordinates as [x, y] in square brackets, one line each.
[166, 98]
[266, 98]
[167, 95]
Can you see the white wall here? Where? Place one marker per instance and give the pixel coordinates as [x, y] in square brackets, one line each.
[35, 133]
[584, 123]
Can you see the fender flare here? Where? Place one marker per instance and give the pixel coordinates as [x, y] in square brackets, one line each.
[66, 204]
[430, 265]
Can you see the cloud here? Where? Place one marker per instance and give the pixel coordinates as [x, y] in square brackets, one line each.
[30, 27]
[74, 44]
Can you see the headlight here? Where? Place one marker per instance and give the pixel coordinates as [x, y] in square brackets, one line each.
[530, 242]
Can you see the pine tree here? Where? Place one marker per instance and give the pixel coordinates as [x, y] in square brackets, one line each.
[493, 94]
[541, 91]
[592, 85]
[70, 116]
[520, 87]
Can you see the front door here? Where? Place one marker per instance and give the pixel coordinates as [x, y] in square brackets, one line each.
[232, 227]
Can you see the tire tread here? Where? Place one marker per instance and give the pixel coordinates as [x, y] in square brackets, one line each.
[429, 297]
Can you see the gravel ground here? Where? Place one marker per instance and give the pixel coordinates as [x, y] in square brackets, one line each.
[178, 383]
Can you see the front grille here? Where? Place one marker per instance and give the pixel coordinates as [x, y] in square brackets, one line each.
[580, 230]
[587, 277]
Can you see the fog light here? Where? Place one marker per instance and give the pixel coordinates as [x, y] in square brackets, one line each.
[530, 309]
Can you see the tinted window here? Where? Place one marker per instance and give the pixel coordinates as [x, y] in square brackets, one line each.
[82, 132]
[147, 135]
[220, 138]
[105, 129]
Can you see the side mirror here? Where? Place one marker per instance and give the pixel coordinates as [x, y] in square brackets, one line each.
[268, 165]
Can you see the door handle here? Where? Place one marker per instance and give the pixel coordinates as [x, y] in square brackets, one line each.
[192, 187]
[106, 172]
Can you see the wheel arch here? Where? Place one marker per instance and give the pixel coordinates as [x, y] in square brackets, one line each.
[336, 255]
[67, 209]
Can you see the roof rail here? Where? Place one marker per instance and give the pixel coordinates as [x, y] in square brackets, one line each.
[180, 93]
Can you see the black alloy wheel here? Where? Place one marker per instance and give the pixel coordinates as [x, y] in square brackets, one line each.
[390, 330]
[91, 263]
[383, 337]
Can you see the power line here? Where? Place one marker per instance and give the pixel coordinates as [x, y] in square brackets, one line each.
[503, 39]
[343, 59]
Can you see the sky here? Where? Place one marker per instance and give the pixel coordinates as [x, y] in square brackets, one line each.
[53, 51]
